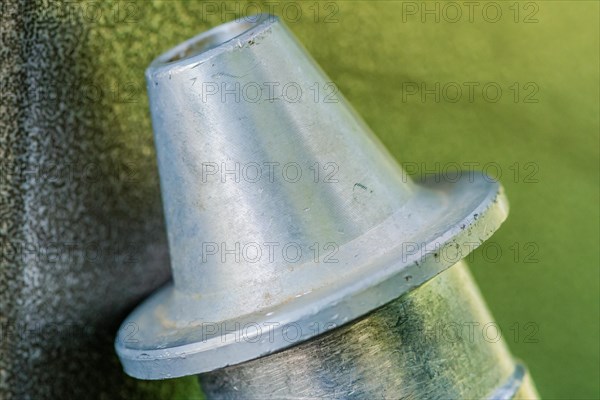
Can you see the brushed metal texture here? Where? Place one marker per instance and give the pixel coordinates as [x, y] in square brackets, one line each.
[436, 342]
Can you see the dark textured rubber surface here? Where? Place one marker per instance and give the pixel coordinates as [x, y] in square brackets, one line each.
[82, 236]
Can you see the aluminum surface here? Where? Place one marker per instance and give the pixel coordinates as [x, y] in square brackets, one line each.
[389, 234]
[436, 342]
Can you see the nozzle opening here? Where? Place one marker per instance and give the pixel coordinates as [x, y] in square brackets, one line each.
[213, 38]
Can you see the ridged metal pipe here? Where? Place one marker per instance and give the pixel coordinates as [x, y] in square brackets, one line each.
[305, 262]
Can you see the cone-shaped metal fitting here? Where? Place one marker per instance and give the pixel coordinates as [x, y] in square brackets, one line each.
[282, 208]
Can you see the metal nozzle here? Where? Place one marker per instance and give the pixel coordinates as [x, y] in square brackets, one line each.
[286, 219]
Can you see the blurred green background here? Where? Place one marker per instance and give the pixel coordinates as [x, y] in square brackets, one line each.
[540, 136]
